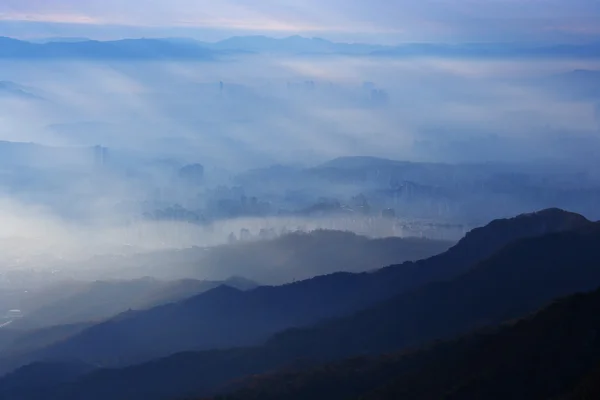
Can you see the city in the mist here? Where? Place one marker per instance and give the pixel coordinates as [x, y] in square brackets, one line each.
[155, 152]
[255, 103]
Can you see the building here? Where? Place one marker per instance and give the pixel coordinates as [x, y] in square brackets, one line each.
[369, 86]
[100, 155]
[379, 97]
[388, 213]
[245, 235]
[192, 173]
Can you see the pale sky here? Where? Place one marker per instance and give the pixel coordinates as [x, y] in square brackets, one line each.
[371, 20]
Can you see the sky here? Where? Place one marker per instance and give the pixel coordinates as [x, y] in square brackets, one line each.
[384, 21]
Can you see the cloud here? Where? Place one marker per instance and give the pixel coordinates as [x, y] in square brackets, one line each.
[405, 19]
[439, 110]
[59, 18]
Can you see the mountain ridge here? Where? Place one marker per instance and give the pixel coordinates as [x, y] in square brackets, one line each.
[92, 49]
[531, 358]
[109, 341]
[190, 49]
[476, 300]
[251, 317]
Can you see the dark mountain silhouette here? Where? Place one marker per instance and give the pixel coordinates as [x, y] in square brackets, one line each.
[34, 379]
[514, 282]
[174, 291]
[588, 388]
[553, 354]
[481, 243]
[23, 341]
[77, 301]
[225, 317]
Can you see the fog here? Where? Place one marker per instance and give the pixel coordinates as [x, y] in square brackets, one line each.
[196, 193]
[278, 109]
[168, 195]
[240, 115]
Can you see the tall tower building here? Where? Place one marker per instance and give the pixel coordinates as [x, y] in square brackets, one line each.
[100, 155]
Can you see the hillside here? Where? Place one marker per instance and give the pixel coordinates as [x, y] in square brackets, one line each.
[225, 317]
[300, 255]
[72, 302]
[22, 341]
[551, 354]
[293, 256]
[516, 281]
[588, 387]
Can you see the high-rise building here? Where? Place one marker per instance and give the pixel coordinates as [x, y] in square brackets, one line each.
[100, 155]
[379, 97]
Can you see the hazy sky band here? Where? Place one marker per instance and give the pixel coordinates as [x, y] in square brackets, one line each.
[410, 20]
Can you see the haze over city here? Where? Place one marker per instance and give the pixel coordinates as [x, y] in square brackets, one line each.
[238, 198]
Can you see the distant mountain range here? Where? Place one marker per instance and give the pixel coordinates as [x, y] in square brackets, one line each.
[499, 272]
[227, 317]
[132, 49]
[61, 39]
[292, 44]
[56, 312]
[292, 256]
[188, 49]
[473, 193]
